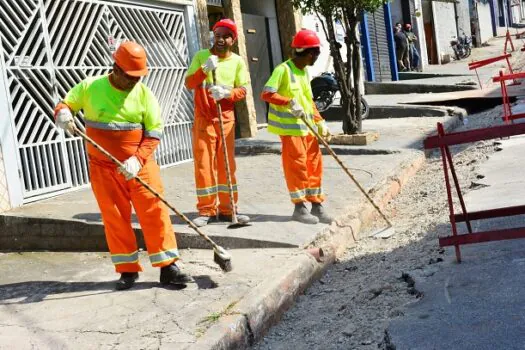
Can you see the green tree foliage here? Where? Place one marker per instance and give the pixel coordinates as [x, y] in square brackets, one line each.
[347, 70]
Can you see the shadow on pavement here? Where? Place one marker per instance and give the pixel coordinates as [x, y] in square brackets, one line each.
[38, 291]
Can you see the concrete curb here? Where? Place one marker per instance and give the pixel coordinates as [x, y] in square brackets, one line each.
[261, 147]
[253, 315]
[249, 320]
[33, 233]
[400, 110]
[372, 88]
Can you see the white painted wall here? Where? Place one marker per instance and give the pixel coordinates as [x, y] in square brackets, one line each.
[418, 28]
[485, 21]
[516, 12]
[12, 188]
[444, 27]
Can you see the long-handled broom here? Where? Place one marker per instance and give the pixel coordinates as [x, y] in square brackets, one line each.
[220, 256]
[235, 222]
[384, 233]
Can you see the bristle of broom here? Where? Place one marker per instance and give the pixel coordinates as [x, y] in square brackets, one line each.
[223, 259]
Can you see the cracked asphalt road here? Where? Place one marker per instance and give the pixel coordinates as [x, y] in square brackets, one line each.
[353, 304]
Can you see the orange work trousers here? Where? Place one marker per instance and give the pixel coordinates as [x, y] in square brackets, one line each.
[303, 168]
[210, 170]
[115, 196]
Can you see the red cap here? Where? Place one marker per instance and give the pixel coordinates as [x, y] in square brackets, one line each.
[227, 23]
[305, 39]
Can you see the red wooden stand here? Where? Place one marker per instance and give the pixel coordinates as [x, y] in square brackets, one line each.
[507, 40]
[443, 141]
[478, 64]
[507, 110]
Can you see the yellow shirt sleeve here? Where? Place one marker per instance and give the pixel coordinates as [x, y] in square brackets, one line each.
[241, 76]
[198, 60]
[75, 97]
[276, 79]
[152, 119]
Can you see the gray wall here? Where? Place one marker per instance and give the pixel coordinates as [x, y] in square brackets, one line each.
[397, 13]
[267, 9]
[463, 13]
[485, 21]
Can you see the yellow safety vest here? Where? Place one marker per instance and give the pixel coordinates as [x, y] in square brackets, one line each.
[289, 81]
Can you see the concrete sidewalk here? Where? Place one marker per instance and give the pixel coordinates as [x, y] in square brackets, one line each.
[455, 75]
[478, 304]
[66, 300]
[73, 222]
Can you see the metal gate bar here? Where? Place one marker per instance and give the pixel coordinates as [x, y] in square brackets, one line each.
[49, 46]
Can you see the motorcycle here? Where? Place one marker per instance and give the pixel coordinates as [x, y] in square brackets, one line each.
[324, 88]
[462, 46]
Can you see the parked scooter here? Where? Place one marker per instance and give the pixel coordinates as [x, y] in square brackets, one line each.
[462, 46]
[324, 88]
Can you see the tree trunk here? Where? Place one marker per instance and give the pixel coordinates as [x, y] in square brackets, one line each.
[341, 73]
[353, 44]
[356, 63]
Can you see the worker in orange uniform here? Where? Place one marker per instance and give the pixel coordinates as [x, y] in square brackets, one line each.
[123, 116]
[289, 94]
[209, 162]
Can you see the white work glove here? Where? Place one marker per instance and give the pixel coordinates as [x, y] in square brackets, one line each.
[297, 109]
[130, 168]
[211, 64]
[220, 92]
[64, 120]
[322, 129]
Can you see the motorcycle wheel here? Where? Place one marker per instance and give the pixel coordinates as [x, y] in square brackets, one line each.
[324, 100]
[467, 53]
[365, 108]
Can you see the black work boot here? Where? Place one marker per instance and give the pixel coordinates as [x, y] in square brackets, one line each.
[171, 274]
[127, 280]
[301, 214]
[319, 211]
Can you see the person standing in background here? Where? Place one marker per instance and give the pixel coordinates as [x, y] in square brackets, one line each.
[401, 41]
[412, 49]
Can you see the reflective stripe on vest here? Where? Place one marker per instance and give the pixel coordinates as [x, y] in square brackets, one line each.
[281, 121]
[123, 127]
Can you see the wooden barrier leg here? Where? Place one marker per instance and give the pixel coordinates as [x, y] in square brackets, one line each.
[514, 81]
[479, 80]
[441, 133]
[458, 189]
[504, 98]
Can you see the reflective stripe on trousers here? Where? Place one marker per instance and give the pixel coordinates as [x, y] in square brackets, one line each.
[303, 168]
[115, 196]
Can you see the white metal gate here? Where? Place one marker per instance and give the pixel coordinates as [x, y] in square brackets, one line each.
[50, 45]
